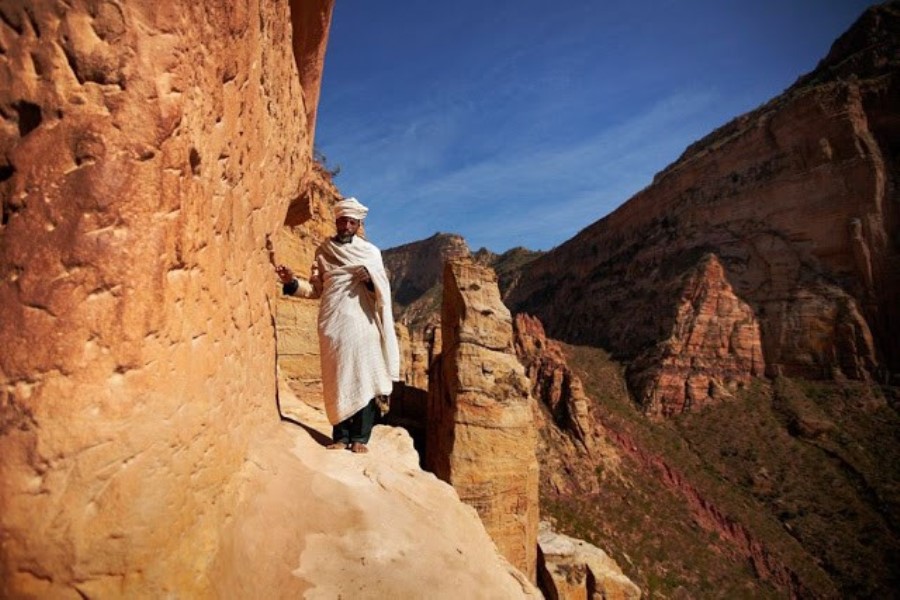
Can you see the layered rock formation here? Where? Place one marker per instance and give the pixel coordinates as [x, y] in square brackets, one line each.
[796, 201]
[416, 271]
[712, 350]
[481, 435]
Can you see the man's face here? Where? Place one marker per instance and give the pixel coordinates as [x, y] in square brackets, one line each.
[346, 228]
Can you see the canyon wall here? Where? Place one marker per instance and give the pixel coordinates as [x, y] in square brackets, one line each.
[150, 152]
[797, 201]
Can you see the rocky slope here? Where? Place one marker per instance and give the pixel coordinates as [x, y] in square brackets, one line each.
[767, 254]
[573, 445]
[797, 202]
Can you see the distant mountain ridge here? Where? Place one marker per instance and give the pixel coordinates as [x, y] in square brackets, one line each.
[798, 203]
[415, 270]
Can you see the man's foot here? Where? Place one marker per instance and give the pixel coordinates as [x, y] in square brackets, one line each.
[359, 448]
[337, 446]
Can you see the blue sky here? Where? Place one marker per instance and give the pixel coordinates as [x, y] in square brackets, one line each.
[519, 123]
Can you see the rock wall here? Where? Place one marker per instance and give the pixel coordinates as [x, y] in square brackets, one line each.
[150, 152]
[480, 430]
[309, 221]
[796, 200]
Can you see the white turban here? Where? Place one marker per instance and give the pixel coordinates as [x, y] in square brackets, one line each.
[350, 207]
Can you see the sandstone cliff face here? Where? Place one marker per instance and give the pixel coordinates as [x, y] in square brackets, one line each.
[149, 152]
[156, 162]
[416, 271]
[797, 201]
[481, 436]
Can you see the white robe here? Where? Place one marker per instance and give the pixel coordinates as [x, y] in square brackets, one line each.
[359, 351]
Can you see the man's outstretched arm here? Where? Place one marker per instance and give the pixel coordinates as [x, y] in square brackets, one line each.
[294, 286]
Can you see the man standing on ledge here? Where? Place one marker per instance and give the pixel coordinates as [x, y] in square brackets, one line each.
[359, 352]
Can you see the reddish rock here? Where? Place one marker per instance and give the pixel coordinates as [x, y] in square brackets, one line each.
[712, 349]
[572, 444]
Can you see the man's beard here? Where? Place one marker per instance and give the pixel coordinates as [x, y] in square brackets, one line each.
[344, 239]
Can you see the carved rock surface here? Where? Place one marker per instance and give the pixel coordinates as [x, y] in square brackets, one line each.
[149, 154]
[481, 432]
[572, 569]
[798, 202]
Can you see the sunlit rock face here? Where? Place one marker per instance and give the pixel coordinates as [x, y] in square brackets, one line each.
[797, 201]
[150, 152]
[310, 220]
[318, 523]
[481, 431]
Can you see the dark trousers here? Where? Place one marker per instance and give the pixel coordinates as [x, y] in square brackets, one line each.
[358, 427]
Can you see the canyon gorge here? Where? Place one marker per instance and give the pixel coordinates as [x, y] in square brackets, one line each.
[696, 396]
[738, 318]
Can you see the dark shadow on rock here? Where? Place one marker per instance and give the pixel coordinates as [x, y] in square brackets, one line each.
[315, 434]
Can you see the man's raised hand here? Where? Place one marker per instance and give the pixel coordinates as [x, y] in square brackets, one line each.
[284, 273]
[361, 275]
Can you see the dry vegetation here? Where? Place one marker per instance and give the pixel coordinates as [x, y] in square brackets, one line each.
[798, 476]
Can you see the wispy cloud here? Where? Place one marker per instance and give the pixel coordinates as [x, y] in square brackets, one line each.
[523, 125]
[535, 193]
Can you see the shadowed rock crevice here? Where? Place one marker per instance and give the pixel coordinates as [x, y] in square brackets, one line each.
[30, 117]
